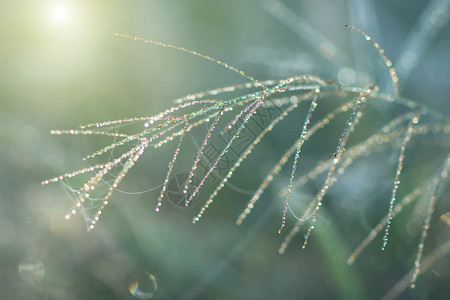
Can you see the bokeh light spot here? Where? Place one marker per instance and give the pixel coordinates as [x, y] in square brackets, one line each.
[60, 13]
[31, 270]
[143, 286]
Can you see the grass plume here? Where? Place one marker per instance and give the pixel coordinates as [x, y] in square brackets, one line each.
[231, 117]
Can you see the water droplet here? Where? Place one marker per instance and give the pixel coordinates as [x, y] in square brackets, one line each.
[31, 270]
[143, 286]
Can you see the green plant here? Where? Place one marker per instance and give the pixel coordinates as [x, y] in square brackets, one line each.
[327, 103]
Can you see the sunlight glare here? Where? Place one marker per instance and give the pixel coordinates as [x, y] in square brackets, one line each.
[60, 13]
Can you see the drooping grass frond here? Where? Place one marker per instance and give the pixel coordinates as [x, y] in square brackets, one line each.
[301, 140]
[426, 264]
[435, 189]
[230, 119]
[387, 61]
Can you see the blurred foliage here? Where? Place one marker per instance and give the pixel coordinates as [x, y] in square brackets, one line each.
[62, 66]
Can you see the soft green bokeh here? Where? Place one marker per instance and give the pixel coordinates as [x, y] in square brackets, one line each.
[61, 65]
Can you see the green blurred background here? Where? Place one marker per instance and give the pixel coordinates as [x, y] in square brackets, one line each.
[62, 65]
